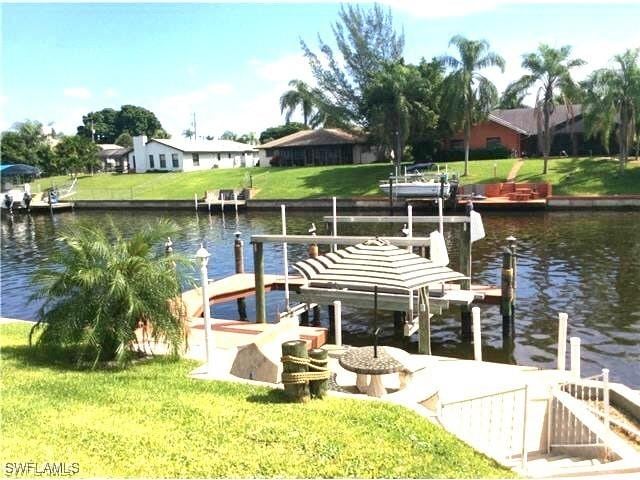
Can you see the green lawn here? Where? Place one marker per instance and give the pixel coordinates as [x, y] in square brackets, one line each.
[153, 421]
[570, 176]
[272, 183]
[584, 176]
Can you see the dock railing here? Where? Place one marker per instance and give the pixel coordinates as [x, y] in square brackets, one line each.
[495, 424]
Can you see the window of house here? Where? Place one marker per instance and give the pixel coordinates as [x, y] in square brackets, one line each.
[456, 144]
[269, 152]
[163, 160]
[228, 155]
[196, 159]
[151, 162]
[218, 156]
[174, 160]
[493, 142]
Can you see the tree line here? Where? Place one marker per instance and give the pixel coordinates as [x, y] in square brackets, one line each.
[26, 142]
[410, 109]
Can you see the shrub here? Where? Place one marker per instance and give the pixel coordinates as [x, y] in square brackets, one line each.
[474, 154]
[99, 286]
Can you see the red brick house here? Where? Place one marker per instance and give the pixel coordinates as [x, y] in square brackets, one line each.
[516, 129]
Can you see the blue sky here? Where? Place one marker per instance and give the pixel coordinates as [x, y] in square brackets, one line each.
[230, 62]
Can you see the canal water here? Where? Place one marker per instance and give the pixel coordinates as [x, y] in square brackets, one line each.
[586, 264]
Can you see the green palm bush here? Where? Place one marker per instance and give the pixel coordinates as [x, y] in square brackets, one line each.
[99, 286]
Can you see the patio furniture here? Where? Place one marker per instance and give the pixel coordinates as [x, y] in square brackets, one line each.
[362, 362]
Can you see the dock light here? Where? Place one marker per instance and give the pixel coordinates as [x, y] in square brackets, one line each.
[202, 256]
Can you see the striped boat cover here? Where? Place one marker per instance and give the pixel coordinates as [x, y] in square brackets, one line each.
[375, 262]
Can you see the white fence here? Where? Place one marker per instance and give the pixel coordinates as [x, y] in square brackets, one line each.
[567, 428]
[495, 424]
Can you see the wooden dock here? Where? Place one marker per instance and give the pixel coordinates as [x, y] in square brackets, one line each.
[235, 286]
[241, 285]
[234, 333]
[505, 202]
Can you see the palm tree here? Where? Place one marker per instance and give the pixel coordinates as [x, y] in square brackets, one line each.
[614, 98]
[550, 71]
[100, 286]
[301, 95]
[188, 133]
[468, 95]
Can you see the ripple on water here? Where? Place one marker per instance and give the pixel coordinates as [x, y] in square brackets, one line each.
[568, 262]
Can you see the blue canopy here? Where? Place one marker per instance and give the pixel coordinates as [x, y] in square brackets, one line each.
[18, 169]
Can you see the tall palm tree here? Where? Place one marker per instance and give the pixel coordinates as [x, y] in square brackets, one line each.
[300, 95]
[614, 98]
[549, 70]
[468, 95]
[99, 286]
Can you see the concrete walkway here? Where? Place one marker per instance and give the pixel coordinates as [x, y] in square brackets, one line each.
[513, 173]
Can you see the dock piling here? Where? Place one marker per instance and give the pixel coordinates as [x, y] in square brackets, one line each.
[465, 269]
[195, 199]
[332, 319]
[477, 335]
[506, 302]
[258, 269]
[424, 322]
[337, 318]
[562, 340]
[295, 390]
[238, 253]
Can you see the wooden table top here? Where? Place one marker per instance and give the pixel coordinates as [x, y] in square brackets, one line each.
[360, 360]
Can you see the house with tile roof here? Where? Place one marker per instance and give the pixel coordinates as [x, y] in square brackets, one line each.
[322, 146]
[517, 130]
[169, 155]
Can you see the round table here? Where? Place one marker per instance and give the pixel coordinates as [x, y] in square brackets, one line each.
[361, 361]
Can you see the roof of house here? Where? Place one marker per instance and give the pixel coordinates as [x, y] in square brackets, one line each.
[317, 137]
[208, 146]
[118, 151]
[523, 120]
[108, 146]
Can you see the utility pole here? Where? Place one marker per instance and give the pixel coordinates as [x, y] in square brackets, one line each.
[93, 132]
[195, 130]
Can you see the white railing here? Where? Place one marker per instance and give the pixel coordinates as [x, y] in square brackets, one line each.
[495, 424]
[565, 427]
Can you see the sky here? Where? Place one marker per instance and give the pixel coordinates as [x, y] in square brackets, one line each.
[229, 62]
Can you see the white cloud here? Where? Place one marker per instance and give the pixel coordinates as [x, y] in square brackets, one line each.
[219, 107]
[111, 92]
[77, 92]
[283, 69]
[455, 8]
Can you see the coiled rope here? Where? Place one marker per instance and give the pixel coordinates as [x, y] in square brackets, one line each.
[319, 372]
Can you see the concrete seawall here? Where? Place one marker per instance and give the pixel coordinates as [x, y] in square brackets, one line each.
[364, 203]
[594, 202]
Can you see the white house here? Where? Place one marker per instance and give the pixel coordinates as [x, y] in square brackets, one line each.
[168, 155]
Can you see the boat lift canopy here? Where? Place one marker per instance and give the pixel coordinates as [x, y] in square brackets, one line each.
[18, 170]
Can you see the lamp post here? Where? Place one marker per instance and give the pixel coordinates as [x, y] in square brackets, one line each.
[203, 258]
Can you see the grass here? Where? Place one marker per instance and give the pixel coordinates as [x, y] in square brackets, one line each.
[154, 421]
[272, 183]
[570, 176]
[584, 176]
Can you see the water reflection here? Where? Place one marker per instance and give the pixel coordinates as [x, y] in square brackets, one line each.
[586, 264]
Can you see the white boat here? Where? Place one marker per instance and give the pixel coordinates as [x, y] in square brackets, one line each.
[419, 184]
